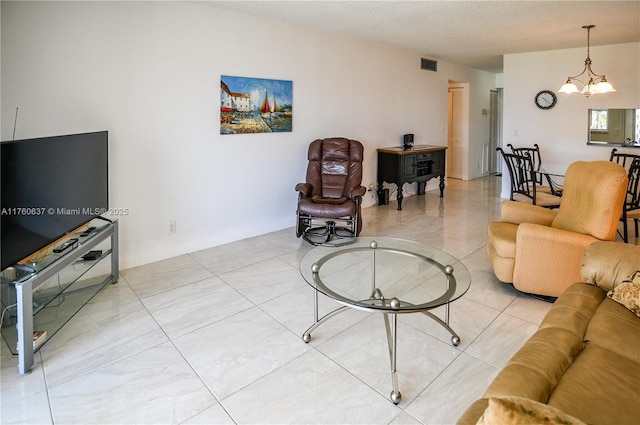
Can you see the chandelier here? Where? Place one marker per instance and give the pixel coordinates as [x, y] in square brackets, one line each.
[595, 83]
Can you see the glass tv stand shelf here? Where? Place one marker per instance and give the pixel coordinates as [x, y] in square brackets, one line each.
[47, 290]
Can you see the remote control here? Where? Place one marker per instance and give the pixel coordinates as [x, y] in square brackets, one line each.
[92, 255]
[66, 245]
[88, 231]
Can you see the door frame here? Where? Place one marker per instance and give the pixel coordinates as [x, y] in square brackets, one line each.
[495, 130]
[463, 120]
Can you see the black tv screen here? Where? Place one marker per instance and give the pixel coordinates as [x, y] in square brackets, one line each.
[50, 186]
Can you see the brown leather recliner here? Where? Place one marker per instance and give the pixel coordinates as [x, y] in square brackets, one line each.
[332, 192]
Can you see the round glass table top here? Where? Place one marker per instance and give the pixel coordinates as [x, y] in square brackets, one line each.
[386, 274]
[558, 169]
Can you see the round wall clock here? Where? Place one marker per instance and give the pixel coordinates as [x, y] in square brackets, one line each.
[545, 99]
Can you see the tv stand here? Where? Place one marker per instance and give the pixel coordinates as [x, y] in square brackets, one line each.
[47, 290]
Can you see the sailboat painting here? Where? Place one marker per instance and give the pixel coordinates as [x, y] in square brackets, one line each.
[255, 105]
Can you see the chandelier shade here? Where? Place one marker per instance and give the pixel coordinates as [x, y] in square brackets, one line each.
[588, 81]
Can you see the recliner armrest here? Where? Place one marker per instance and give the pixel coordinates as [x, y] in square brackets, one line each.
[517, 213]
[357, 191]
[548, 259]
[304, 189]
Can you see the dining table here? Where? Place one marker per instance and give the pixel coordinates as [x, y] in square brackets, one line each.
[556, 169]
[553, 174]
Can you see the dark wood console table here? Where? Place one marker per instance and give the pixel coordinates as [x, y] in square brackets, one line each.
[420, 164]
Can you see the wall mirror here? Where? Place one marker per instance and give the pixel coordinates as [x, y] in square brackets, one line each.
[617, 127]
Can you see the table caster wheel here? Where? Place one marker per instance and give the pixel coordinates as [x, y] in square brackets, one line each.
[455, 340]
[396, 397]
[306, 337]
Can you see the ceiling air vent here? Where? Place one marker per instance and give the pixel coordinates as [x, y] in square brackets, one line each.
[428, 64]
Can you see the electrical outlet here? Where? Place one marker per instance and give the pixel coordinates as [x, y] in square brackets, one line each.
[172, 226]
[371, 187]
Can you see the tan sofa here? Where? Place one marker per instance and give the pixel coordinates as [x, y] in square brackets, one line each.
[584, 360]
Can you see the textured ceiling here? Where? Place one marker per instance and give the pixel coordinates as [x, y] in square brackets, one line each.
[472, 33]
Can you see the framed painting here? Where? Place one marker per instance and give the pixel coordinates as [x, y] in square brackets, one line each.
[255, 105]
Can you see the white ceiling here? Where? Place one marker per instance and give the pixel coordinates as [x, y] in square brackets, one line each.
[472, 33]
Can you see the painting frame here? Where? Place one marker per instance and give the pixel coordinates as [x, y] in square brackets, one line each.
[255, 105]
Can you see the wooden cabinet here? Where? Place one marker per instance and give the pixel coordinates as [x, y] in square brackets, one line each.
[420, 164]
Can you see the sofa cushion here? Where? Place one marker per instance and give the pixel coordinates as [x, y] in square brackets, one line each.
[600, 388]
[616, 329]
[535, 370]
[523, 411]
[628, 293]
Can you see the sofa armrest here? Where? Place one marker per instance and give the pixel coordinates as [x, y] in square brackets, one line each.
[517, 213]
[473, 412]
[606, 264]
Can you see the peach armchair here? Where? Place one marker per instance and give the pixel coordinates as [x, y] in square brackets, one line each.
[540, 250]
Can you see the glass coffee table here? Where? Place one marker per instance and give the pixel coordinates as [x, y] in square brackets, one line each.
[388, 276]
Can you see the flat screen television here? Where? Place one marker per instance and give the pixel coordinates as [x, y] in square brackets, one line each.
[50, 186]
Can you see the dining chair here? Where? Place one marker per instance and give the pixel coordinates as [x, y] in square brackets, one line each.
[631, 209]
[533, 152]
[524, 187]
[624, 159]
[536, 160]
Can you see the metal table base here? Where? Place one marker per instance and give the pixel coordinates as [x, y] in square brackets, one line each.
[391, 326]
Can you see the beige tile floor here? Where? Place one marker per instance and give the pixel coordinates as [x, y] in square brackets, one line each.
[214, 337]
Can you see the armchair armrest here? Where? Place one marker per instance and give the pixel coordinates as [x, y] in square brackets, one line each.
[517, 212]
[304, 189]
[548, 259]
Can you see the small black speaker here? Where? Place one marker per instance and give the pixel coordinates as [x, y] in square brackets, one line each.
[383, 196]
[408, 141]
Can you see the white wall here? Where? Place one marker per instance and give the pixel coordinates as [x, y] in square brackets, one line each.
[561, 132]
[149, 72]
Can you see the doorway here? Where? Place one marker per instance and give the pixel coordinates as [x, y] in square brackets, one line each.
[458, 130]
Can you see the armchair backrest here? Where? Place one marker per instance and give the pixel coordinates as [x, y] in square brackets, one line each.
[335, 167]
[592, 199]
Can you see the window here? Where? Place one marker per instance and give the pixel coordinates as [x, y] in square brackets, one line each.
[599, 120]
